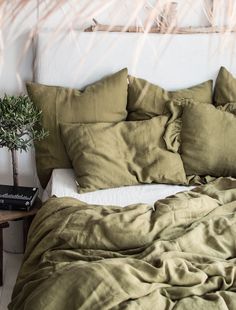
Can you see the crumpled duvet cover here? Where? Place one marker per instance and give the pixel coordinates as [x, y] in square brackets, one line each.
[179, 254]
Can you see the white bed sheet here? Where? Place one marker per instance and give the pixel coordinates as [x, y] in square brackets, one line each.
[62, 184]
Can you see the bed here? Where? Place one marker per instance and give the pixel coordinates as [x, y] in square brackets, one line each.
[149, 246]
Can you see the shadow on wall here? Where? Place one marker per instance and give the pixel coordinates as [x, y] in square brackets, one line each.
[16, 65]
[25, 180]
[26, 163]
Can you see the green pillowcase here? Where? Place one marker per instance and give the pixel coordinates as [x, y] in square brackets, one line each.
[104, 101]
[111, 155]
[225, 88]
[207, 140]
[146, 100]
[229, 107]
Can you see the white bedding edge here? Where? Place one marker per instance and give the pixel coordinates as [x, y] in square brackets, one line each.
[62, 184]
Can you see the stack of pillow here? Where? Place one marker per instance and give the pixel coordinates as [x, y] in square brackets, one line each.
[116, 133]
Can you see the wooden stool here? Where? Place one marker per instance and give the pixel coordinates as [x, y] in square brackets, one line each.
[7, 216]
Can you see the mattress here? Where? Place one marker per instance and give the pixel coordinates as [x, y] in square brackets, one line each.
[62, 184]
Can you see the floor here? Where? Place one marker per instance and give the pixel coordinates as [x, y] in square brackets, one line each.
[11, 265]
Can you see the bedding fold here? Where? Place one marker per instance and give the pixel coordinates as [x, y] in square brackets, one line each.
[179, 254]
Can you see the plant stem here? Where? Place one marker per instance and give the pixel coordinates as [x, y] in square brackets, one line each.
[14, 167]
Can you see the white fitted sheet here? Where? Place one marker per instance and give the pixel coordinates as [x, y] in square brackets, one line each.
[62, 184]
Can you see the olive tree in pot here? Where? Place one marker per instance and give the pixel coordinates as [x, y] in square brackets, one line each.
[20, 125]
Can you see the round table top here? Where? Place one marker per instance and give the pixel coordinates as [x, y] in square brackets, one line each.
[6, 216]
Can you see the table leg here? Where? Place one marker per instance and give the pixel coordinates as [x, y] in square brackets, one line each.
[3, 225]
[1, 257]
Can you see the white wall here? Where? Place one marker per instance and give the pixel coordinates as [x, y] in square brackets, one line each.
[21, 19]
[16, 67]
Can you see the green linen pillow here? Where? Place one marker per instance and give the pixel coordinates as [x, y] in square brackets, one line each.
[146, 100]
[225, 88]
[229, 107]
[108, 155]
[104, 101]
[174, 125]
[207, 138]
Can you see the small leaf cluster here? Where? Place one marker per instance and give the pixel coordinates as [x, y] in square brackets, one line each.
[20, 123]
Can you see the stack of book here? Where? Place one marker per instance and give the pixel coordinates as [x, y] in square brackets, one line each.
[17, 197]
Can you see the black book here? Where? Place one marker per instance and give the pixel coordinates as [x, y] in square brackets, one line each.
[17, 197]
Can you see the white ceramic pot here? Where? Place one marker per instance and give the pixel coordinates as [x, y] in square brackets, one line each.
[13, 237]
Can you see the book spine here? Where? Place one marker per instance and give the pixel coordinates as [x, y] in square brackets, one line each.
[16, 202]
[9, 207]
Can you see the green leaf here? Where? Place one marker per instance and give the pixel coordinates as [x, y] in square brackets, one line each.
[20, 123]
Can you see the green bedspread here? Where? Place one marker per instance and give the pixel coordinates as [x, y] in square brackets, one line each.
[181, 254]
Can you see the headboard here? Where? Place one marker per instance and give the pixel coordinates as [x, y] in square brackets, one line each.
[75, 58]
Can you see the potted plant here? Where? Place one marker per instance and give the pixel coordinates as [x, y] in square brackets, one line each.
[20, 125]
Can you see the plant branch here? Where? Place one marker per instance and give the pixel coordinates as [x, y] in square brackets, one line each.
[20, 125]
[14, 167]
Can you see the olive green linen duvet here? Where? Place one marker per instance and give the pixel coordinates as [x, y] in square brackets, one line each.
[179, 254]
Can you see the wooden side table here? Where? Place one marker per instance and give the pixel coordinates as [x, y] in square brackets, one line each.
[6, 216]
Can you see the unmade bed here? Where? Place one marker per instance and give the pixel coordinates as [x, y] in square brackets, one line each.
[139, 180]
